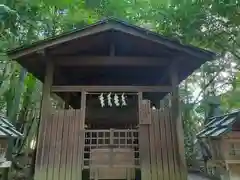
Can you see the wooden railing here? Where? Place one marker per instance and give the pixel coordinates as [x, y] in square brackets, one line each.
[113, 138]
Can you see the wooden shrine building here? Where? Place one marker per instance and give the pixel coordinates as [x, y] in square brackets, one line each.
[7, 131]
[222, 137]
[110, 75]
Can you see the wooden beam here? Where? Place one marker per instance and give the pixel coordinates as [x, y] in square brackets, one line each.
[109, 61]
[112, 88]
[177, 122]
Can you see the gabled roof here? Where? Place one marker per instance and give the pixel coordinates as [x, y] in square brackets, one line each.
[219, 125]
[106, 25]
[131, 44]
[7, 129]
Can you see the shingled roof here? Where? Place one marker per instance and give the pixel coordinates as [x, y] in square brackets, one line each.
[220, 125]
[7, 129]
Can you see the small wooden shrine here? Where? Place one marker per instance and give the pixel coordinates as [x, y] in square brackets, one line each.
[222, 137]
[111, 74]
[7, 130]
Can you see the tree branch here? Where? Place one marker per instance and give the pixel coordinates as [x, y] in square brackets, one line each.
[207, 85]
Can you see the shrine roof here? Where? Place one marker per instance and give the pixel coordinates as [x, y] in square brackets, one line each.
[220, 125]
[111, 52]
[7, 129]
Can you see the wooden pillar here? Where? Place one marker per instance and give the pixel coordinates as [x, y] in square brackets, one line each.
[82, 134]
[83, 107]
[46, 92]
[45, 108]
[177, 123]
[144, 145]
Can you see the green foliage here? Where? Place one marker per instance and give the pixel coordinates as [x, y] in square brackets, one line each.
[7, 17]
[231, 99]
[211, 24]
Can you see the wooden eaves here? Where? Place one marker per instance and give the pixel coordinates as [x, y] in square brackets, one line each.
[111, 52]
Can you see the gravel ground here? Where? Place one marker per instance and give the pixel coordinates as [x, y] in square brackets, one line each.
[196, 177]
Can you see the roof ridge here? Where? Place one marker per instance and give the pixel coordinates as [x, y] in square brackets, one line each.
[124, 23]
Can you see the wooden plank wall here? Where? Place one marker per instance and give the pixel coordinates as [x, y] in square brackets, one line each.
[60, 149]
[158, 147]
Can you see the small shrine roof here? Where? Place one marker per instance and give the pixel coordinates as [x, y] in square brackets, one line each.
[7, 129]
[220, 125]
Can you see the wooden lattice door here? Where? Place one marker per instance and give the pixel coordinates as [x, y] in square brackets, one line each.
[112, 153]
